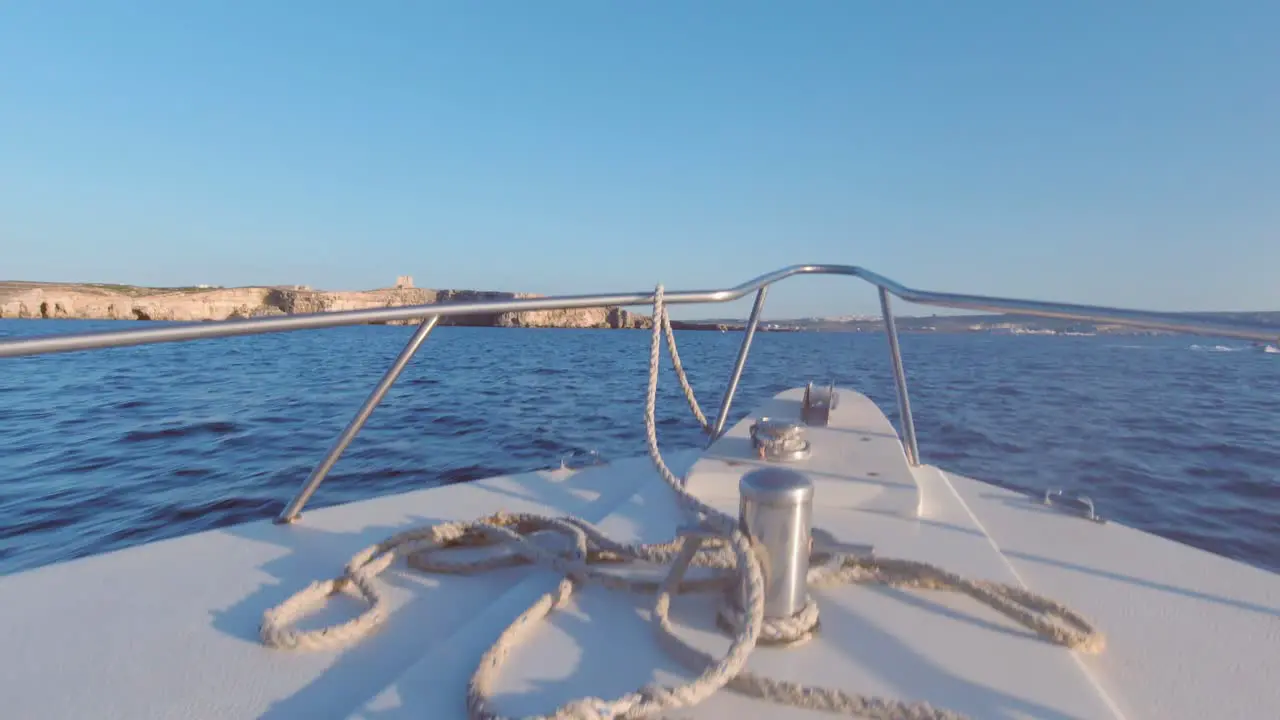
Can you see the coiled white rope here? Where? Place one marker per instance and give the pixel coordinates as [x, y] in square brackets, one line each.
[719, 545]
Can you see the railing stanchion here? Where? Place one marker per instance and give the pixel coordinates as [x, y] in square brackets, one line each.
[740, 363]
[361, 417]
[900, 380]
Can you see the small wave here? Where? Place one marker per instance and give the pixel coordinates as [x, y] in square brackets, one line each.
[222, 511]
[43, 524]
[467, 474]
[130, 404]
[1219, 348]
[92, 465]
[1268, 349]
[461, 425]
[213, 427]
[375, 475]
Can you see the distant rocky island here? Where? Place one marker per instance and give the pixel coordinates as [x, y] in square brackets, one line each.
[94, 301]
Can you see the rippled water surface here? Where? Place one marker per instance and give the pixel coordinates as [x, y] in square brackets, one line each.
[102, 450]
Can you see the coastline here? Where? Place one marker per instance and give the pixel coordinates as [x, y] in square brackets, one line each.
[101, 301]
[94, 301]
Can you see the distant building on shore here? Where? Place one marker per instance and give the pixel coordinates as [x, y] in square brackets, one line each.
[404, 282]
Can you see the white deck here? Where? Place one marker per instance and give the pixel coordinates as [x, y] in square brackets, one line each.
[170, 629]
[855, 462]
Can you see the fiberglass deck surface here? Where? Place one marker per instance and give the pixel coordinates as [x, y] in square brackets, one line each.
[170, 629]
[1190, 634]
[919, 646]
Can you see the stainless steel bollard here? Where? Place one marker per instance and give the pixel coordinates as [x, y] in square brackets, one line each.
[776, 511]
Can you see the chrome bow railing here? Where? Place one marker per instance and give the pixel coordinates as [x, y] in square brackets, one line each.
[429, 315]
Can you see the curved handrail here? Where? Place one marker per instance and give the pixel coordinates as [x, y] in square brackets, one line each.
[431, 314]
[193, 331]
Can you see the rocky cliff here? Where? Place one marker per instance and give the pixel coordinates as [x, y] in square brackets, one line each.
[122, 302]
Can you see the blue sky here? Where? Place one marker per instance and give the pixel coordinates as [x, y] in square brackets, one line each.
[1103, 152]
